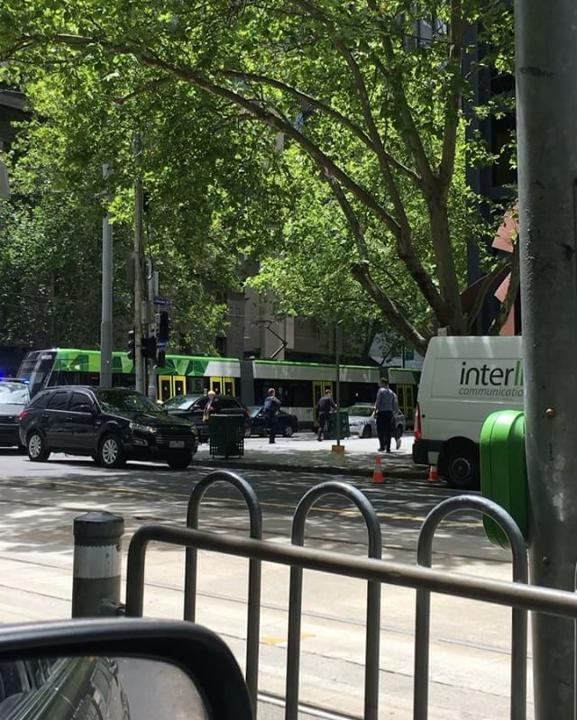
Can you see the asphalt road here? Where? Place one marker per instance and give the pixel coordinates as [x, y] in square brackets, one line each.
[469, 666]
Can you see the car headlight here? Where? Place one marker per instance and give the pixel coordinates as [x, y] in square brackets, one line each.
[143, 428]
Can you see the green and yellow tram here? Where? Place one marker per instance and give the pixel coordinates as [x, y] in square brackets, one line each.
[298, 384]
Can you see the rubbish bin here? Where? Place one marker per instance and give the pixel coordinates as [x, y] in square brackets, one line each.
[226, 435]
[504, 470]
[342, 417]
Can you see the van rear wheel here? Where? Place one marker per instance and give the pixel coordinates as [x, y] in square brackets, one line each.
[460, 466]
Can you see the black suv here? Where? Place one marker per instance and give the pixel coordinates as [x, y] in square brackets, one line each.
[14, 396]
[110, 425]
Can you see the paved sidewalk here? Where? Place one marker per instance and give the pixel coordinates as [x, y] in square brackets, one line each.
[304, 454]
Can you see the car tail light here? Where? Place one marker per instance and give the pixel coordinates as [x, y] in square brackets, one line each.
[418, 430]
[24, 414]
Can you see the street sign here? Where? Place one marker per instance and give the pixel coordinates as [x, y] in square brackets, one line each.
[162, 301]
[380, 348]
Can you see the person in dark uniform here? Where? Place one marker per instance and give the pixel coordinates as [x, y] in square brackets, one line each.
[325, 407]
[271, 408]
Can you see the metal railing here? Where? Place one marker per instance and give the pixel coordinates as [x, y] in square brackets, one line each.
[421, 577]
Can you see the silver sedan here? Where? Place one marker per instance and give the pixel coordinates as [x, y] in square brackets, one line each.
[363, 423]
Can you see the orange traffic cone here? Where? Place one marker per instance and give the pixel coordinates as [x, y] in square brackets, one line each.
[433, 474]
[378, 477]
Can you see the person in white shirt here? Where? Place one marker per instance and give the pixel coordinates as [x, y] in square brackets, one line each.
[385, 405]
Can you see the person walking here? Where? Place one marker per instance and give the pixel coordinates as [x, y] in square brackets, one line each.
[325, 407]
[210, 407]
[271, 408]
[385, 405]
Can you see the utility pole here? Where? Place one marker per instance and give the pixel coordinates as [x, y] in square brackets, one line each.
[152, 281]
[138, 270]
[338, 336]
[546, 63]
[106, 322]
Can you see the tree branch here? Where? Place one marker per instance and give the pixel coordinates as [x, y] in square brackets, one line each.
[406, 124]
[304, 97]
[392, 313]
[142, 89]
[343, 120]
[351, 217]
[252, 107]
[454, 96]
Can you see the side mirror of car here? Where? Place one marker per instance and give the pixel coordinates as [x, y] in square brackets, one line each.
[128, 668]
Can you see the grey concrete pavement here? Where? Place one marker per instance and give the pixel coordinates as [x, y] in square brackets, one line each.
[470, 641]
[303, 453]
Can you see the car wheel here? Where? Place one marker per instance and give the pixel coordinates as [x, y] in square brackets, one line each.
[36, 447]
[460, 466]
[367, 432]
[111, 452]
[288, 431]
[179, 461]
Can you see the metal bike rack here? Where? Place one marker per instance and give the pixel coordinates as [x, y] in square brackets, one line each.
[517, 595]
[373, 597]
[254, 568]
[423, 604]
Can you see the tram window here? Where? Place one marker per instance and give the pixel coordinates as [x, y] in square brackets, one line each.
[302, 393]
[165, 389]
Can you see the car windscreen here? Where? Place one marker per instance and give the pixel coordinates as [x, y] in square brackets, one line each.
[181, 402]
[360, 411]
[125, 401]
[13, 394]
[254, 410]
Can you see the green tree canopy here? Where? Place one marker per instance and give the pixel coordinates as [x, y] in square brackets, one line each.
[364, 98]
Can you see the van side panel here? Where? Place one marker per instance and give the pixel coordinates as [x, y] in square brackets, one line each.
[464, 380]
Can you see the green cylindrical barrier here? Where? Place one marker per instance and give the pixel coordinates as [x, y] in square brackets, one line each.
[504, 470]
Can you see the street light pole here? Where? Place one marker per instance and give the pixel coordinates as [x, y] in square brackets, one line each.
[138, 274]
[546, 62]
[338, 448]
[338, 388]
[106, 322]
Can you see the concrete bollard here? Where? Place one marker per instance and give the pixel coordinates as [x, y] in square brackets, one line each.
[96, 581]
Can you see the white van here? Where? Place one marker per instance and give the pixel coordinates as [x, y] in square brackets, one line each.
[464, 380]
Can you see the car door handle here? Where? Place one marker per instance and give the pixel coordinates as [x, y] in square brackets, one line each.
[69, 419]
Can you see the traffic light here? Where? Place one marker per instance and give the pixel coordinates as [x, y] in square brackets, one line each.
[161, 359]
[149, 347]
[131, 345]
[163, 328]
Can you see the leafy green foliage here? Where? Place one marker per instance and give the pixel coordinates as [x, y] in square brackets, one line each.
[323, 139]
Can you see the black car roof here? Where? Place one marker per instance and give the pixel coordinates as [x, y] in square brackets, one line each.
[93, 388]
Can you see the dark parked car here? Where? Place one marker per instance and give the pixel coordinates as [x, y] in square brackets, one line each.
[110, 425]
[191, 407]
[287, 424]
[14, 396]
